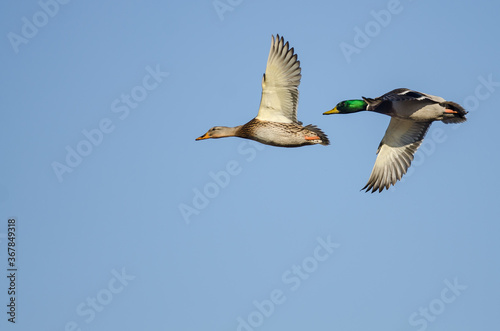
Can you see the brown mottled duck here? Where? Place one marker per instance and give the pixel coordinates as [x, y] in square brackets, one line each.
[276, 123]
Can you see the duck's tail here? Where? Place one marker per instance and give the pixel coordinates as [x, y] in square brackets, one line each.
[457, 113]
[324, 138]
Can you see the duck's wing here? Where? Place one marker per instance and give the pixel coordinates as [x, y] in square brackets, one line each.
[385, 103]
[280, 93]
[404, 94]
[395, 152]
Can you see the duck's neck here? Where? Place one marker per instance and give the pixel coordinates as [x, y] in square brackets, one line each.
[231, 131]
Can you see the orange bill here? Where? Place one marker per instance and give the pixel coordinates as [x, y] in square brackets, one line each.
[205, 136]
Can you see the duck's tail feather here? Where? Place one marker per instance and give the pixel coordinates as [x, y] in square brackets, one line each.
[324, 138]
[457, 117]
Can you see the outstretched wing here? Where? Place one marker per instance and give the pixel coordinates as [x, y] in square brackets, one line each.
[395, 152]
[280, 93]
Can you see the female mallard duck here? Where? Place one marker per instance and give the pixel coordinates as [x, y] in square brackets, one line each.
[276, 123]
[412, 113]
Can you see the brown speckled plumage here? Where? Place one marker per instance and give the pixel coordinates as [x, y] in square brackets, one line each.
[281, 134]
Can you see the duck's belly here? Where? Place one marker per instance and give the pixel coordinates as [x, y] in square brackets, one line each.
[279, 135]
[418, 111]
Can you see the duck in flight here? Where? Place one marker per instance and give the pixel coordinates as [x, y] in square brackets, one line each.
[276, 123]
[411, 113]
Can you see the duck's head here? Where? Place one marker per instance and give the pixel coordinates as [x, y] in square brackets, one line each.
[347, 107]
[218, 132]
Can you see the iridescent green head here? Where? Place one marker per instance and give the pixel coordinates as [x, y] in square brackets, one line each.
[348, 106]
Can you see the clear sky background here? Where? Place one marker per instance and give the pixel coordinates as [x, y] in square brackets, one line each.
[124, 222]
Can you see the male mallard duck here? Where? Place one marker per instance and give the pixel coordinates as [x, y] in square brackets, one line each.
[276, 123]
[412, 113]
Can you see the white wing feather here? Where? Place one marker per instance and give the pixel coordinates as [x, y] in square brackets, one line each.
[280, 93]
[395, 153]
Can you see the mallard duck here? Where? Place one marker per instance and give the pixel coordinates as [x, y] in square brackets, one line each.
[411, 115]
[276, 123]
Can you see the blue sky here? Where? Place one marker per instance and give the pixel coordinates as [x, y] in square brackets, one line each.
[125, 222]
